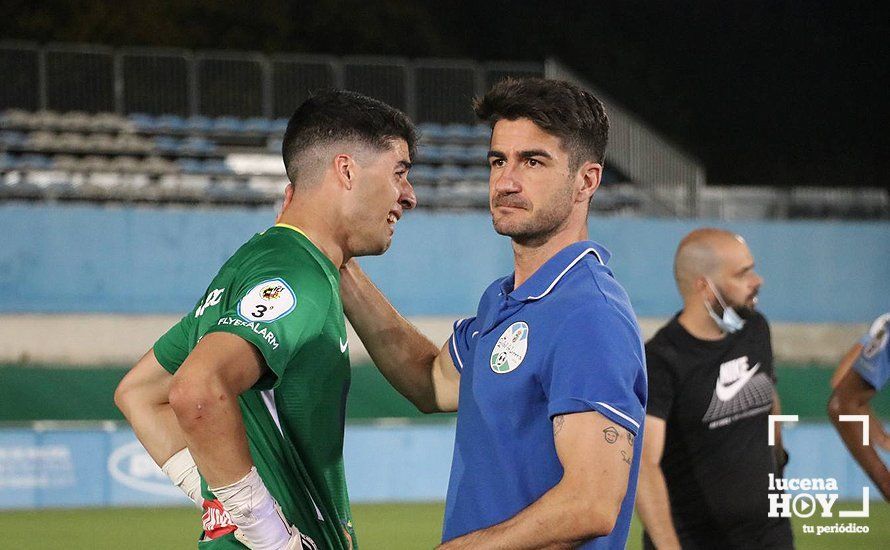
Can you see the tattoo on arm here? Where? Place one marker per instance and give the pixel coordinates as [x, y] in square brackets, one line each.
[630, 438]
[610, 434]
[625, 458]
[558, 422]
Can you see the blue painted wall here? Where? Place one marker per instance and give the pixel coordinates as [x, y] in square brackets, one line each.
[92, 467]
[159, 260]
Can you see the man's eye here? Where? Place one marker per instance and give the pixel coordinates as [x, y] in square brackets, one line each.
[497, 162]
[533, 162]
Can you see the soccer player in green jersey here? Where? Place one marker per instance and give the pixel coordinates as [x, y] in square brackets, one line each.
[249, 388]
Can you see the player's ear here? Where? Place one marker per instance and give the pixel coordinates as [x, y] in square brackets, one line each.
[345, 167]
[288, 198]
[590, 174]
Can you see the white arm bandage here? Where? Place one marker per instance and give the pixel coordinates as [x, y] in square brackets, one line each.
[183, 472]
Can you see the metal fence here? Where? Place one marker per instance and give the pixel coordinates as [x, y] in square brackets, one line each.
[69, 77]
[671, 178]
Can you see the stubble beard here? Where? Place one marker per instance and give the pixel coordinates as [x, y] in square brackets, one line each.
[538, 228]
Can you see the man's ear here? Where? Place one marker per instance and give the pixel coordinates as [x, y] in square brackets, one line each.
[591, 174]
[288, 199]
[345, 168]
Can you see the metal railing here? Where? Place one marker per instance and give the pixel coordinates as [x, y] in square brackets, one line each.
[93, 79]
[671, 178]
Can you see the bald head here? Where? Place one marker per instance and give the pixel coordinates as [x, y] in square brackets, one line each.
[701, 254]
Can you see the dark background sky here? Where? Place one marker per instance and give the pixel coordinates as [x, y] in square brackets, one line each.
[764, 92]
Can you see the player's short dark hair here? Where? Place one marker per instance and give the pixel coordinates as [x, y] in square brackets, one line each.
[339, 115]
[559, 108]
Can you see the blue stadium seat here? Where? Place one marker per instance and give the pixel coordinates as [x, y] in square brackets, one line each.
[199, 145]
[432, 131]
[477, 155]
[170, 123]
[217, 167]
[257, 125]
[228, 124]
[199, 124]
[35, 162]
[476, 173]
[7, 162]
[167, 144]
[190, 166]
[143, 122]
[481, 132]
[279, 125]
[452, 153]
[449, 172]
[430, 154]
[459, 132]
[423, 173]
[10, 138]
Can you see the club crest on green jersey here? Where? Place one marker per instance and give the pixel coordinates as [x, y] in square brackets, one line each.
[509, 351]
[267, 301]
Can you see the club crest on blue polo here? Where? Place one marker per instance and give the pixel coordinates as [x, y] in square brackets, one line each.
[510, 348]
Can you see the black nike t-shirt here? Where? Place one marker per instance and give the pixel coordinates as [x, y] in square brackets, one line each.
[715, 397]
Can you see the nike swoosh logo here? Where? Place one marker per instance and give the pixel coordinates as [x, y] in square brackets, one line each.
[344, 345]
[725, 392]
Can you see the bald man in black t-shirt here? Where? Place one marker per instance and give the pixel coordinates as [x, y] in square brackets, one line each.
[706, 460]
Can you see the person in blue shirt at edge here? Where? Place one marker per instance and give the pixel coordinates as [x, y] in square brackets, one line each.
[548, 378]
[864, 371]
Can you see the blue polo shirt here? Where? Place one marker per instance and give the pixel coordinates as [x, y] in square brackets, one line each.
[873, 364]
[565, 341]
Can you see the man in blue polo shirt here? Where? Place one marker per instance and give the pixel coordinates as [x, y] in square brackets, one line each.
[548, 377]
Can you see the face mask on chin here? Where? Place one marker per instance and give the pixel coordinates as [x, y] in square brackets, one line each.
[730, 321]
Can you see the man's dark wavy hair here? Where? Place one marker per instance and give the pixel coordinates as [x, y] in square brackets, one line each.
[559, 108]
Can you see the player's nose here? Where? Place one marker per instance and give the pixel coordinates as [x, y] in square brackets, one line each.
[407, 198]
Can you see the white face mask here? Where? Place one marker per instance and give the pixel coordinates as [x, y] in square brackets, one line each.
[730, 322]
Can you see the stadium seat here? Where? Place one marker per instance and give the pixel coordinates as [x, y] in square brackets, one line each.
[74, 121]
[423, 173]
[48, 120]
[228, 125]
[170, 123]
[7, 162]
[216, 167]
[476, 173]
[481, 133]
[432, 131]
[449, 172]
[143, 122]
[459, 133]
[66, 162]
[95, 163]
[33, 161]
[429, 154]
[199, 124]
[167, 144]
[158, 165]
[257, 125]
[451, 153]
[191, 166]
[12, 138]
[279, 126]
[477, 155]
[197, 145]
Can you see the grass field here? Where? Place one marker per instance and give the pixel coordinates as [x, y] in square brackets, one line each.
[379, 526]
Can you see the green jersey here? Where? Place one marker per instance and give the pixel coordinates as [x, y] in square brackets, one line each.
[281, 294]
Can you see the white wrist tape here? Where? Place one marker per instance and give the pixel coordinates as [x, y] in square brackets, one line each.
[183, 472]
[255, 512]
